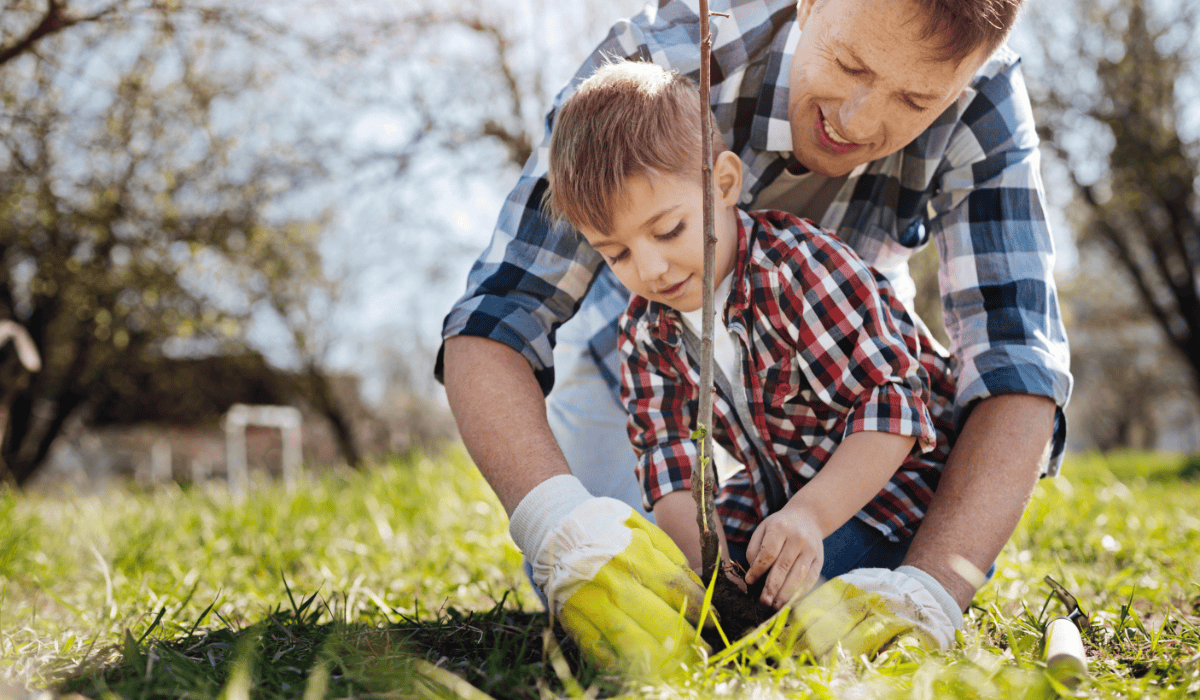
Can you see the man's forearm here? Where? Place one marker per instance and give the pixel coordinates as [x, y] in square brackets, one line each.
[984, 489]
[501, 415]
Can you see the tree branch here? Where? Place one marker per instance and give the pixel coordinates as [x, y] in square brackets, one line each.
[54, 20]
[1125, 255]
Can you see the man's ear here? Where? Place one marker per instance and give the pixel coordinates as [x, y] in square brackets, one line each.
[727, 177]
[803, 10]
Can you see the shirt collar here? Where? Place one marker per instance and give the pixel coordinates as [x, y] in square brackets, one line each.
[772, 131]
[740, 294]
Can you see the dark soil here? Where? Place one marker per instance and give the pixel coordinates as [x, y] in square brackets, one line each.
[739, 612]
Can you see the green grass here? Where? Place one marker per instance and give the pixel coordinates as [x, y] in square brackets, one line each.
[366, 584]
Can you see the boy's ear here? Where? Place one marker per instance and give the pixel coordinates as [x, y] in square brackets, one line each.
[727, 177]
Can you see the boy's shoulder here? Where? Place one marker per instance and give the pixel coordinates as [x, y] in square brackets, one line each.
[778, 238]
[789, 254]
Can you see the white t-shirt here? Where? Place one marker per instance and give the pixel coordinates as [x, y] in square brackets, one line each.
[723, 355]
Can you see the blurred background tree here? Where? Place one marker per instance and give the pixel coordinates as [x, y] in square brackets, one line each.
[140, 212]
[1115, 87]
[203, 178]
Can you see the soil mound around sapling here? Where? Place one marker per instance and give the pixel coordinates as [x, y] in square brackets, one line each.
[738, 612]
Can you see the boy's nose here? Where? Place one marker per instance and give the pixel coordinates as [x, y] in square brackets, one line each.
[650, 265]
[861, 115]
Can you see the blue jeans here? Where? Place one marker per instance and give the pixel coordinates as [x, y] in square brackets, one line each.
[854, 545]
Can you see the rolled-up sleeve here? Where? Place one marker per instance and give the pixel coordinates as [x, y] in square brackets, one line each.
[661, 405]
[528, 281]
[999, 297]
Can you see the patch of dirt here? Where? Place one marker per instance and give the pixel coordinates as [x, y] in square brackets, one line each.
[739, 612]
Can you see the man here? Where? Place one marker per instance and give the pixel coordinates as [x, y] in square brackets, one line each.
[891, 123]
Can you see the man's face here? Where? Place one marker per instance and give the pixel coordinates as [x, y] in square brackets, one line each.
[656, 244]
[862, 83]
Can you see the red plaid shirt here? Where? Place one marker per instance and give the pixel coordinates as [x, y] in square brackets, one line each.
[826, 351]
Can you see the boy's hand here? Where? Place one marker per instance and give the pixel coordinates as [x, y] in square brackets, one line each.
[789, 544]
[616, 582]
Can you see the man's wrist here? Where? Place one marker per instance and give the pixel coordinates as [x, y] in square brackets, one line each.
[947, 602]
[961, 588]
[542, 509]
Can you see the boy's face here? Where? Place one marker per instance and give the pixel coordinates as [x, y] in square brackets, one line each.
[656, 244]
[863, 84]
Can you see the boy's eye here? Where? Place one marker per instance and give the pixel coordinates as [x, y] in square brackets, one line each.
[618, 257]
[672, 233]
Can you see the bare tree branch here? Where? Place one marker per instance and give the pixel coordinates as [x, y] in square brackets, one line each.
[54, 20]
[1120, 247]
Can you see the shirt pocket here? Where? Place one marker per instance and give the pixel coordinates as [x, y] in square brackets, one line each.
[781, 384]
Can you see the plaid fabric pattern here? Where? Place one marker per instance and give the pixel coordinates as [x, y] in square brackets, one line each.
[970, 183]
[827, 351]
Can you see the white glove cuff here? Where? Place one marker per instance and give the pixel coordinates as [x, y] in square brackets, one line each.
[937, 591]
[542, 510]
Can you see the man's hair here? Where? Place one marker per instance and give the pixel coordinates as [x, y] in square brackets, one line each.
[967, 25]
[630, 118]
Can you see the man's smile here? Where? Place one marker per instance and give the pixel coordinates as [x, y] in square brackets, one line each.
[830, 138]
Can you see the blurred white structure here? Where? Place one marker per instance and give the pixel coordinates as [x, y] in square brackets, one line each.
[160, 461]
[27, 352]
[239, 416]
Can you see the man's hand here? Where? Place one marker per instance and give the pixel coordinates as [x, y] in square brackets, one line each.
[616, 582]
[790, 545]
[866, 609]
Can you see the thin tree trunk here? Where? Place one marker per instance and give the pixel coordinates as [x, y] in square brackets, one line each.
[322, 394]
[702, 476]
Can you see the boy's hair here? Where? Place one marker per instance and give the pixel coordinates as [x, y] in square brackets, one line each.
[628, 119]
[968, 24]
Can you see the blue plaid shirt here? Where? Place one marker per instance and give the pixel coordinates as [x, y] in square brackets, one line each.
[970, 183]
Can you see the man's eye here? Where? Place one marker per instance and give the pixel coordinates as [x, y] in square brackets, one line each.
[913, 105]
[672, 233]
[847, 69]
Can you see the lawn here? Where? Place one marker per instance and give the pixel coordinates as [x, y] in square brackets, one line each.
[401, 581]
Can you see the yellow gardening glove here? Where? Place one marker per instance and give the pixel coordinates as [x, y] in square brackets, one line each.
[867, 609]
[616, 582]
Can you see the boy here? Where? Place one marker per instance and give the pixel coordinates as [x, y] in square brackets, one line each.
[835, 403]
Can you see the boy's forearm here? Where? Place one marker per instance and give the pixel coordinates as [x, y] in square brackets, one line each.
[859, 468]
[675, 513]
